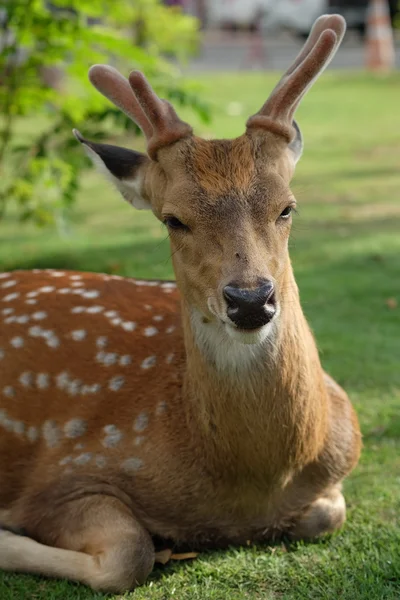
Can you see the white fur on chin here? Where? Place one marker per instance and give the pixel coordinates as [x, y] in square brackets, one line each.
[257, 336]
[229, 348]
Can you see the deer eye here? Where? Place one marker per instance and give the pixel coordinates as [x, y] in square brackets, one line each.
[285, 214]
[174, 223]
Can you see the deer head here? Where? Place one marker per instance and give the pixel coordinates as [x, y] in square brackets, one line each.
[226, 203]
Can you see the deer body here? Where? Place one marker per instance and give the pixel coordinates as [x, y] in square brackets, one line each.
[130, 410]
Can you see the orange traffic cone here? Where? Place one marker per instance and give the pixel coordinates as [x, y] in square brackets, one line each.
[380, 52]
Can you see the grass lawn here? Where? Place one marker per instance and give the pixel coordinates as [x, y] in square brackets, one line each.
[345, 247]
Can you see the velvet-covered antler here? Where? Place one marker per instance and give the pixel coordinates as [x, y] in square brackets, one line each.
[277, 113]
[136, 98]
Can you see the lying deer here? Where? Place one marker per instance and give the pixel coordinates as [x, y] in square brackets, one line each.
[131, 411]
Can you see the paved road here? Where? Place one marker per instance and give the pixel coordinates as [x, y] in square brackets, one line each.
[229, 52]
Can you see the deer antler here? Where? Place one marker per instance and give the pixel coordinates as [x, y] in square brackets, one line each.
[277, 113]
[136, 98]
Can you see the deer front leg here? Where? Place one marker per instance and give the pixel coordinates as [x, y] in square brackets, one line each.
[325, 515]
[326, 511]
[105, 548]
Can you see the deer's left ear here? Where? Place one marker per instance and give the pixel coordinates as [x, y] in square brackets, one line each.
[296, 145]
[125, 168]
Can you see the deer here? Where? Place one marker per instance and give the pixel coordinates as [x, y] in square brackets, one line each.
[193, 411]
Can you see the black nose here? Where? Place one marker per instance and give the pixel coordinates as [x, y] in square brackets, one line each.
[250, 308]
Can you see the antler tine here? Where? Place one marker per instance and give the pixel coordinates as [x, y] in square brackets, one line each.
[167, 126]
[322, 43]
[321, 24]
[109, 82]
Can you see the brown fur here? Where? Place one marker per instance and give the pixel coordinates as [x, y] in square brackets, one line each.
[228, 162]
[130, 411]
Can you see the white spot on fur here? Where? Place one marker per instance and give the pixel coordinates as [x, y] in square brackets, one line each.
[106, 358]
[2, 354]
[129, 326]
[19, 427]
[168, 285]
[150, 331]
[31, 301]
[46, 289]
[83, 458]
[39, 315]
[90, 389]
[77, 284]
[9, 391]
[95, 309]
[5, 275]
[110, 314]
[139, 439]
[116, 321]
[91, 294]
[11, 297]
[51, 434]
[42, 381]
[65, 461]
[7, 311]
[22, 319]
[101, 342]
[149, 362]
[73, 387]
[75, 428]
[35, 331]
[8, 284]
[141, 422]
[116, 383]
[78, 335]
[5, 421]
[170, 329]
[113, 436]
[75, 277]
[76, 310]
[52, 340]
[64, 291]
[125, 360]
[32, 294]
[132, 464]
[32, 434]
[57, 273]
[158, 318]
[62, 380]
[26, 379]
[17, 342]
[170, 358]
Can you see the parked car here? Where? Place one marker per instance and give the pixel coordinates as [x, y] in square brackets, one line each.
[294, 15]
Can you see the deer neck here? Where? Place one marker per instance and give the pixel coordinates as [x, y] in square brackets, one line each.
[253, 407]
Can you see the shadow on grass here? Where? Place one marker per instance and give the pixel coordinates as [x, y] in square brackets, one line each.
[130, 259]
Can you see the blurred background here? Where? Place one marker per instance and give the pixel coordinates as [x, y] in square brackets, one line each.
[217, 61]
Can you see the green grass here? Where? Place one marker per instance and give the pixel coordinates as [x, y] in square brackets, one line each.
[346, 251]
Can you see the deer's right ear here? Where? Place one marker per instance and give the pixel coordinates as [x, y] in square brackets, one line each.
[296, 145]
[125, 168]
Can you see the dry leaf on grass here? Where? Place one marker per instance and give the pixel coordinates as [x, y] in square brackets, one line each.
[391, 303]
[184, 556]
